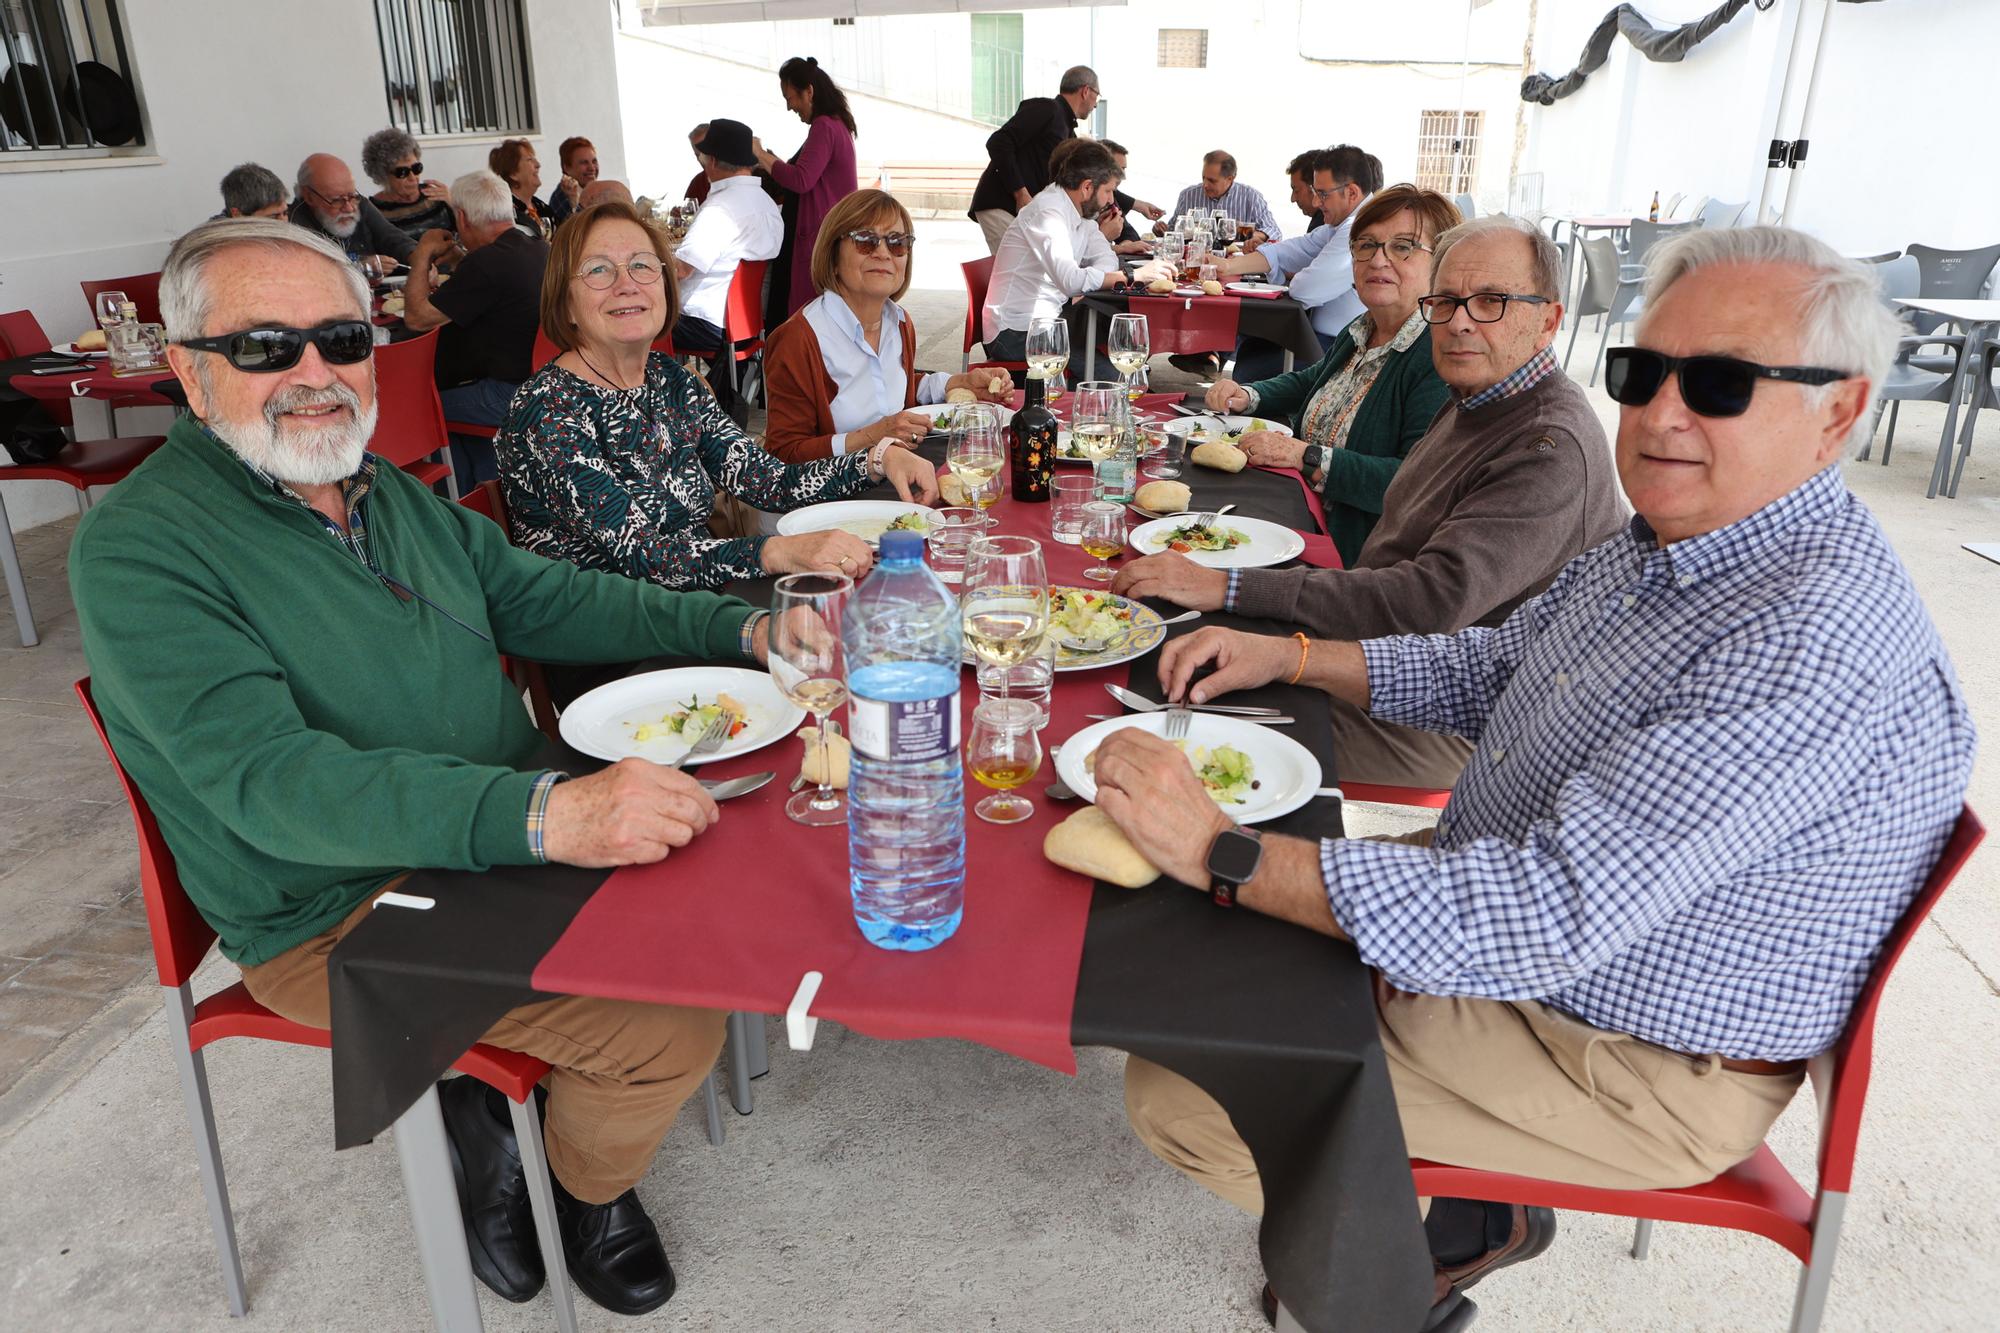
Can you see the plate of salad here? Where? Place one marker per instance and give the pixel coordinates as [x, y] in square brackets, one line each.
[1229, 429]
[944, 416]
[1252, 773]
[1230, 542]
[1094, 628]
[659, 715]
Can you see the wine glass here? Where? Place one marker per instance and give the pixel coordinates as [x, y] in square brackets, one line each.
[1005, 603]
[1003, 752]
[1131, 348]
[976, 453]
[1048, 353]
[1100, 419]
[1103, 537]
[809, 667]
[110, 308]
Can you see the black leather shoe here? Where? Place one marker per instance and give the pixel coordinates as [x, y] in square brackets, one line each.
[1452, 1312]
[492, 1191]
[614, 1252]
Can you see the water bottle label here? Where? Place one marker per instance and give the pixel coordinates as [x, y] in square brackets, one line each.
[904, 729]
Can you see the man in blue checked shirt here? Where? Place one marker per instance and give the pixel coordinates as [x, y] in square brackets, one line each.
[1713, 763]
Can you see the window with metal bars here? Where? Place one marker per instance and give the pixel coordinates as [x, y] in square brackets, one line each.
[1183, 48]
[457, 66]
[1448, 151]
[67, 89]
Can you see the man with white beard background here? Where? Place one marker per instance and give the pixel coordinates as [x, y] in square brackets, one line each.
[329, 204]
[293, 645]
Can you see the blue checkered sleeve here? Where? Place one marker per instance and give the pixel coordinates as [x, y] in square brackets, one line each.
[1229, 596]
[538, 810]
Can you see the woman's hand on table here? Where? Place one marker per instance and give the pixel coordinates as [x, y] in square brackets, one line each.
[831, 551]
[982, 382]
[914, 478]
[907, 429]
[1241, 661]
[1151, 793]
[1174, 577]
[1269, 448]
[632, 813]
[1226, 396]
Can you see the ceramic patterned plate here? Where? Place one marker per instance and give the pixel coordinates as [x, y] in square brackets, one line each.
[1284, 772]
[608, 720]
[1227, 428]
[1140, 629]
[1267, 543]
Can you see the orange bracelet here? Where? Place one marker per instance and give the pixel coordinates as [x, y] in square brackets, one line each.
[1305, 646]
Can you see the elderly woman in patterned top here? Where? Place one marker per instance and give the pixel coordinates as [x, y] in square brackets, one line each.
[612, 455]
[1358, 412]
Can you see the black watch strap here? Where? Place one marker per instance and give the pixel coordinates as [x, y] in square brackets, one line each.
[1233, 859]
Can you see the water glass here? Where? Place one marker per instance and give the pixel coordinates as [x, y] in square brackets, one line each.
[1164, 455]
[1209, 273]
[952, 533]
[1069, 493]
[1028, 680]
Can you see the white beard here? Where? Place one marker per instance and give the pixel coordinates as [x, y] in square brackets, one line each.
[329, 455]
[340, 228]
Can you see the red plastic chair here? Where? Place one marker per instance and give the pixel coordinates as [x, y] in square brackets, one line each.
[1758, 1195]
[21, 335]
[486, 498]
[1381, 793]
[409, 425]
[180, 942]
[743, 323]
[1178, 325]
[142, 289]
[545, 352]
[978, 275]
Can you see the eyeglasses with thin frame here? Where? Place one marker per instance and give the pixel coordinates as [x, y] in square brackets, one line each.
[1401, 247]
[1328, 193]
[269, 348]
[403, 173]
[1480, 307]
[599, 273]
[336, 202]
[899, 242]
[1711, 386]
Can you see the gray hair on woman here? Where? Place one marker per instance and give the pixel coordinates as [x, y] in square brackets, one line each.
[185, 300]
[1843, 322]
[384, 149]
[1546, 258]
[483, 197]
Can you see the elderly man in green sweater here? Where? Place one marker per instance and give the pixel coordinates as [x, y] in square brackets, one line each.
[293, 646]
[1512, 481]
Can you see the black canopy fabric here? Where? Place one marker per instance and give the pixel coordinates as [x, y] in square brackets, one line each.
[1661, 44]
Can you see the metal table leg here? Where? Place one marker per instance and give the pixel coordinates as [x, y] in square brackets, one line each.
[426, 1160]
[17, 586]
[1941, 467]
[1090, 341]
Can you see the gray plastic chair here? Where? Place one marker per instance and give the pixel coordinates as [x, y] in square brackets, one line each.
[1608, 290]
[1983, 395]
[1716, 213]
[1948, 275]
[1909, 379]
[1641, 237]
[1466, 207]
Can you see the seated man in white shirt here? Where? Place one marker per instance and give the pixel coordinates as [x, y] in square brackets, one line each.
[1317, 265]
[737, 222]
[1052, 252]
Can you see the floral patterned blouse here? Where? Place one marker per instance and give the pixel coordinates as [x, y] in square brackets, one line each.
[1330, 414]
[625, 481]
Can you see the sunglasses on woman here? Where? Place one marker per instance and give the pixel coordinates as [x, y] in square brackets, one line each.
[1711, 386]
[899, 243]
[401, 173]
[272, 347]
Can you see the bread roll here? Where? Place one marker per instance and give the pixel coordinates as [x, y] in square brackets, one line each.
[1164, 497]
[1211, 288]
[1090, 844]
[837, 751]
[997, 386]
[951, 489]
[92, 341]
[1220, 456]
[1160, 286]
[961, 395]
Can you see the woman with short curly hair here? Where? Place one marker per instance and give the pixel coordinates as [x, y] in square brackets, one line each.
[412, 203]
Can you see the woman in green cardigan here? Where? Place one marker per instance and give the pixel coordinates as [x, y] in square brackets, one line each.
[1357, 413]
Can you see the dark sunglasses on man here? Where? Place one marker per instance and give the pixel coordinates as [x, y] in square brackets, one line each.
[404, 173]
[1711, 386]
[899, 243]
[272, 347]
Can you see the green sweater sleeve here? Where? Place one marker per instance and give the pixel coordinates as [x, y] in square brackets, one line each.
[1360, 478]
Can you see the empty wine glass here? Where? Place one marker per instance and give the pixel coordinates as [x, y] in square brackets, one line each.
[110, 308]
[809, 667]
[1103, 537]
[1003, 752]
[1048, 354]
[1131, 348]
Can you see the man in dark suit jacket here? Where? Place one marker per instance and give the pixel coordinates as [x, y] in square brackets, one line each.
[1018, 168]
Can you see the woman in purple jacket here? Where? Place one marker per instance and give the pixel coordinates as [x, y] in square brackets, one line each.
[819, 176]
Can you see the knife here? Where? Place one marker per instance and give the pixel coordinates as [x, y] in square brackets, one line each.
[725, 788]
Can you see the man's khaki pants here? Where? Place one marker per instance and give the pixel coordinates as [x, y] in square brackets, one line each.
[993, 224]
[622, 1070]
[1369, 750]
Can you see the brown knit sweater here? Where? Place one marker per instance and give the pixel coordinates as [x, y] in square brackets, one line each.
[1487, 508]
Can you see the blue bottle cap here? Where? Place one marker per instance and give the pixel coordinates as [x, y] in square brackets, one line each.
[902, 546]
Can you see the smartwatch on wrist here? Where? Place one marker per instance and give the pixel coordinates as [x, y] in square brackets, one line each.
[1314, 458]
[1232, 862]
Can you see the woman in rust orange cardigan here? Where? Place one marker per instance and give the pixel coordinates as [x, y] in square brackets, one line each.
[842, 371]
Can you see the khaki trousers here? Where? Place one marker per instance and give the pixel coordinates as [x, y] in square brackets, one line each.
[622, 1069]
[993, 224]
[1367, 750]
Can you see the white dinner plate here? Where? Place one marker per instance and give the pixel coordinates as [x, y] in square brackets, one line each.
[1285, 772]
[1229, 426]
[1269, 544]
[866, 519]
[603, 722]
[1254, 287]
[937, 410]
[71, 349]
[1063, 453]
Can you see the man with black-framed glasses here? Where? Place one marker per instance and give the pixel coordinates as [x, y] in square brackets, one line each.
[329, 204]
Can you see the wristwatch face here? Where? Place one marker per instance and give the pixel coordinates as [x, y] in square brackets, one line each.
[1234, 856]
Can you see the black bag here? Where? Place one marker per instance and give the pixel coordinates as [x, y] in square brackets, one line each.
[34, 437]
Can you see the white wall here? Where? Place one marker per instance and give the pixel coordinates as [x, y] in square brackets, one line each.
[229, 81]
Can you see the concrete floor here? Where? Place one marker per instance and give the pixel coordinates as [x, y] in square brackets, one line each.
[932, 1185]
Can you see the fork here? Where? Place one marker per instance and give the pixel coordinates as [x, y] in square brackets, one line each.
[1207, 521]
[1177, 722]
[708, 742]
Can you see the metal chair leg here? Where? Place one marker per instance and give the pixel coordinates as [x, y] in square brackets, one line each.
[711, 1107]
[1642, 1238]
[425, 1155]
[739, 1064]
[1817, 1278]
[1890, 443]
[542, 1202]
[1575, 327]
[1602, 343]
[208, 1153]
[17, 586]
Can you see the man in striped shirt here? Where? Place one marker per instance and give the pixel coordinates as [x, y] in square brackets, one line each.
[1712, 765]
[1218, 188]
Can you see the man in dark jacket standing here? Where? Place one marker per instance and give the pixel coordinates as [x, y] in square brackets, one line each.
[1019, 151]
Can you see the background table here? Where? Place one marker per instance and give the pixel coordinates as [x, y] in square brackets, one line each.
[1276, 319]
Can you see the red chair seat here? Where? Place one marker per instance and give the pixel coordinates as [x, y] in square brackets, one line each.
[90, 462]
[1382, 793]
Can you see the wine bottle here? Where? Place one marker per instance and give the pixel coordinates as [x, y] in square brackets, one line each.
[1654, 216]
[1034, 446]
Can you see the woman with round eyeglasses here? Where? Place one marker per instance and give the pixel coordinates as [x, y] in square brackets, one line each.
[411, 203]
[613, 456]
[843, 370]
[1357, 413]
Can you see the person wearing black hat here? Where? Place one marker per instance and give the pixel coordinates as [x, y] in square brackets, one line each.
[738, 222]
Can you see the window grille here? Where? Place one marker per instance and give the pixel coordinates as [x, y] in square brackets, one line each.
[66, 85]
[1183, 48]
[1441, 139]
[457, 66]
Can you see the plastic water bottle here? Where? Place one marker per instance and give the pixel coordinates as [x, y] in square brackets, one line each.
[906, 791]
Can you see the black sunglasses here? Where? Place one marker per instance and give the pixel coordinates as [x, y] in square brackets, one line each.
[1711, 386]
[899, 243]
[341, 342]
[414, 169]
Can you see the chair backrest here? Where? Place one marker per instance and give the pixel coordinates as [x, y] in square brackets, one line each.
[545, 351]
[978, 273]
[485, 498]
[1882, 258]
[1467, 209]
[142, 289]
[1644, 235]
[409, 422]
[180, 934]
[1899, 276]
[1600, 277]
[21, 334]
[1840, 1078]
[743, 316]
[1716, 213]
[1954, 275]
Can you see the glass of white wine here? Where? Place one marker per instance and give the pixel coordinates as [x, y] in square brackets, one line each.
[810, 668]
[977, 452]
[1004, 604]
[1100, 422]
[1048, 354]
[1131, 348]
[1003, 752]
[1103, 537]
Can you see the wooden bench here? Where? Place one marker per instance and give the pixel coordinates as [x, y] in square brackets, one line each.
[940, 186]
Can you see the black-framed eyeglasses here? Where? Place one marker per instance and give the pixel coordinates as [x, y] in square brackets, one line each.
[273, 347]
[599, 273]
[1480, 307]
[1402, 247]
[336, 202]
[899, 242]
[401, 173]
[1711, 386]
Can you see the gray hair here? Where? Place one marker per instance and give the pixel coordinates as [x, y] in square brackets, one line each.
[1545, 259]
[1843, 322]
[484, 198]
[250, 187]
[1078, 77]
[384, 149]
[185, 298]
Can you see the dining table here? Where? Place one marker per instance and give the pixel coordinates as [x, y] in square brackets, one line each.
[1980, 322]
[1276, 1022]
[1276, 318]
